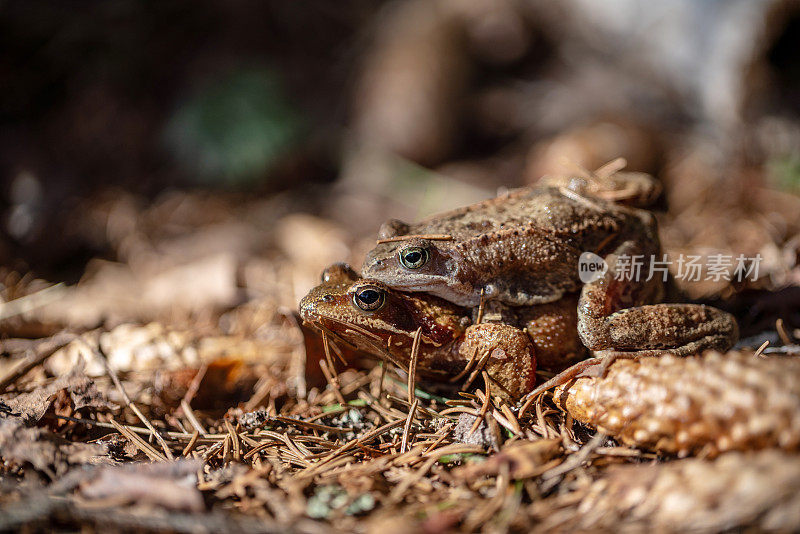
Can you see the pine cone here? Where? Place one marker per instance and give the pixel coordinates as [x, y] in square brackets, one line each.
[758, 490]
[706, 404]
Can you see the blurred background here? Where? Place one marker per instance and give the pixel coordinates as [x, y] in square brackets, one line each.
[172, 160]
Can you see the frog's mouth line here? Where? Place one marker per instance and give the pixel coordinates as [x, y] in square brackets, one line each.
[422, 280]
[379, 348]
[368, 337]
[425, 285]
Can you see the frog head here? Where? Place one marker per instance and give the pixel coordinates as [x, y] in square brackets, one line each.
[373, 318]
[414, 263]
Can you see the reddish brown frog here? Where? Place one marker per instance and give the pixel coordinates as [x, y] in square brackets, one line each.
[370, 317]
[523, 249]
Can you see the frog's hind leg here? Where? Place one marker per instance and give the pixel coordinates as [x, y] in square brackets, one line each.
[614, 315]
[679, 329]
[553, 329]
[603, 359]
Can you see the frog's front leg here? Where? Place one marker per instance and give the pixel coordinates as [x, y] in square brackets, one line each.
[614, 315]
[505, 353]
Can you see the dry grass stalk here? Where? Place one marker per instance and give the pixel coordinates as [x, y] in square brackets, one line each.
[782, 333]
[761, 349]
[407, 426]
[189, 413]
[481, 307]
[190, 446]
[478, 368]
[412, 366]
[98, 352]
[333, 382]
[467, 368]
[431, 237]
[141, 444]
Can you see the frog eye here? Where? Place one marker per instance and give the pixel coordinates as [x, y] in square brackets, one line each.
[413, 257]
[369, 298]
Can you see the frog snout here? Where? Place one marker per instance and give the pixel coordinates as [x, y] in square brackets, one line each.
[307, 306]
[375, 268]
[303, 308]
[310, 304]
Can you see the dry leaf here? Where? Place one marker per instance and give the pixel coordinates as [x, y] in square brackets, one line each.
[170, 485]
[79, 389]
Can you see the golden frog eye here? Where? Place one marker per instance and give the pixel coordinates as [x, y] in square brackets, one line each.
[413, 257]
[369, 298]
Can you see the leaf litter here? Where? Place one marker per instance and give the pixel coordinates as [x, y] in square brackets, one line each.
[220, 417]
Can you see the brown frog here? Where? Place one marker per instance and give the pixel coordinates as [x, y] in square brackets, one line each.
[375, 319]
[523, 248]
